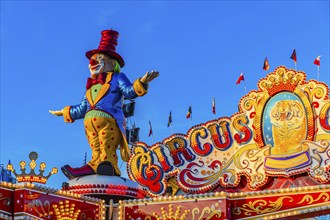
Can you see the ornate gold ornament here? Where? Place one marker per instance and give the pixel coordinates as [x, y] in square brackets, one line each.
[171, 214]
[32, 176]
[209, 211]
[261, 206]
[309, 199]
[66, 211]
[43, 209]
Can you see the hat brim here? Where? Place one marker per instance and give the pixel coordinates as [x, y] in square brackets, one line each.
[111, 54]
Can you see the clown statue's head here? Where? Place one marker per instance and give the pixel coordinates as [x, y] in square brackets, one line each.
[100, 63]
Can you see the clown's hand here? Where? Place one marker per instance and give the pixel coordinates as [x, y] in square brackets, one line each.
[57, 113]
[149, 76]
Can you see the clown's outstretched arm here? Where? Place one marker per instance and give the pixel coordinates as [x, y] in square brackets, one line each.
[73, 112]
[149, 76]
[57, 112]
[65, 112]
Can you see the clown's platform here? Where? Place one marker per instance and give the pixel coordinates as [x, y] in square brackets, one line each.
[105, 187]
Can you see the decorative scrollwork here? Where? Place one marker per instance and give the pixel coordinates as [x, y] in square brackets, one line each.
[5, 200]
[192, 172]
[42, 209]
[320, 150]
[250, 156]
[209, 211]
[215, 213]
[309, 199]
[247, 160]
[314, 90]
[260, 206]
[249, 104]
[196, 211]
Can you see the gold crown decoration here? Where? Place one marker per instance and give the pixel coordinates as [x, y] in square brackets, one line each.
[281, 79]
[32, 176]
[65, 211]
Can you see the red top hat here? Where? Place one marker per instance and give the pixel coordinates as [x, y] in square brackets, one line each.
[108, 46]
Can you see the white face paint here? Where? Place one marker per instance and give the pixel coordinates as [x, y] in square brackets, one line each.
[97, 64]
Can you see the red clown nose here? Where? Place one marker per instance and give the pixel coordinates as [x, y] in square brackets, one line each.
[92, 62]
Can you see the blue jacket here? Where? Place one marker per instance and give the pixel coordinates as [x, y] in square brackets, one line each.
[109, 99]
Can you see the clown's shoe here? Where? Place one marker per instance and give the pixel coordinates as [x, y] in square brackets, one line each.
[72, 173]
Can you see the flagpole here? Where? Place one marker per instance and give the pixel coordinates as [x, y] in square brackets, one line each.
[295, 65]
[151, 132]
[190, 112]
[318, 73]
[170, 122]
[213, 107]
[244, 86]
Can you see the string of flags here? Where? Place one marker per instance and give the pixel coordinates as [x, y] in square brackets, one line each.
[241, 78]
[293, 56]
[317, 62]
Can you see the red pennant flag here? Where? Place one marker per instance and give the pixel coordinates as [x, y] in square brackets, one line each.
[189, 112]
[150, 129]
[266, 64]
[213, 105]
[294, 55]
[240, 78]
[317, 60]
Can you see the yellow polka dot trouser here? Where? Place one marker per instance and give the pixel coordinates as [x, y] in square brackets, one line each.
[103, 136]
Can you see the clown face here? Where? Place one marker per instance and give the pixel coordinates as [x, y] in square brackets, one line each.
[99, 63]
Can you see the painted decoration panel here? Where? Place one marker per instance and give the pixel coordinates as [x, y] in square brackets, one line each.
[20, 201]
[294, 203]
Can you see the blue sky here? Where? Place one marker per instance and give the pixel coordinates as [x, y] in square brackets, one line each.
[199, 48]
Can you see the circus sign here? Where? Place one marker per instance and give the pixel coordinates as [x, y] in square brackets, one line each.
[282, 129]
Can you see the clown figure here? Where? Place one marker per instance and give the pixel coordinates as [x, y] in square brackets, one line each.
[101, 108]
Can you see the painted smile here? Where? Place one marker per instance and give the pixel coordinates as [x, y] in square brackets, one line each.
[95, 66]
